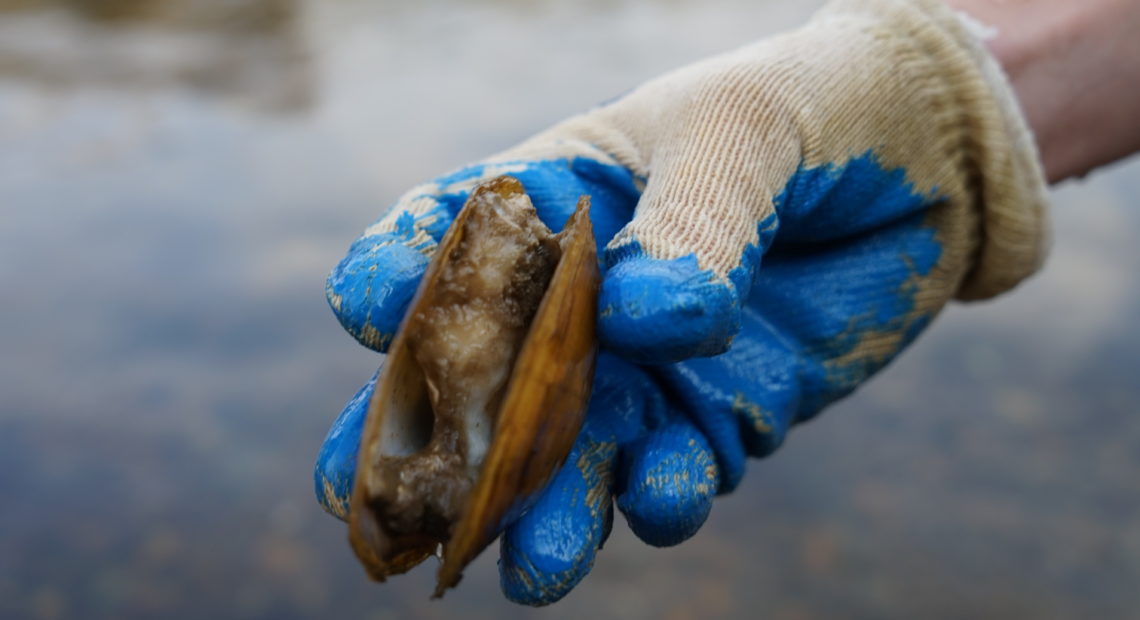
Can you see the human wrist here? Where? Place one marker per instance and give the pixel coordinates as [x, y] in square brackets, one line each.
[1075, 69]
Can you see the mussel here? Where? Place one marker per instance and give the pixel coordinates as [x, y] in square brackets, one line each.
[484, 388]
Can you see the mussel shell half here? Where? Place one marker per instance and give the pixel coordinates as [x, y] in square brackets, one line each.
[538, 417]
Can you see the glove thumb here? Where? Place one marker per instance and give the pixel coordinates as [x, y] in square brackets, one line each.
[678, 275]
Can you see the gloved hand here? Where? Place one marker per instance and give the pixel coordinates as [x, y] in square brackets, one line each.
[877, 163]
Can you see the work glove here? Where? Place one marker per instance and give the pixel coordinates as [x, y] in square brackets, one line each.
[875, 161]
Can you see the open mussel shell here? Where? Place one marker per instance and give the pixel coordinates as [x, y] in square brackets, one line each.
[484, 388]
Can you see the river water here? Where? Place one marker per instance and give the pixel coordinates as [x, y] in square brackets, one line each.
[176, 179]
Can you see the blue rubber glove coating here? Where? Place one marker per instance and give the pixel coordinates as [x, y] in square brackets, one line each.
[632, 447]
[336, 463]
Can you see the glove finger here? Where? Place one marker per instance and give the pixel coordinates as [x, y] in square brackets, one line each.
[552, 546]
[336, 463]
[669, 480]
[744, 400]
[370, 288]
[678, 275]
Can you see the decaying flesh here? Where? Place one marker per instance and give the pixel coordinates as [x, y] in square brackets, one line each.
[484, 387]
[465, 340]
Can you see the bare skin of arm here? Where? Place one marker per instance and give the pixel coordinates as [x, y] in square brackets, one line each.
[1075, 67]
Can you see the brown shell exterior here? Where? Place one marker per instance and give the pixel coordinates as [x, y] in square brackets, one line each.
[537, 422]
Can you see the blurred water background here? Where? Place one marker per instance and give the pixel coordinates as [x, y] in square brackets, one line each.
[176, 178]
